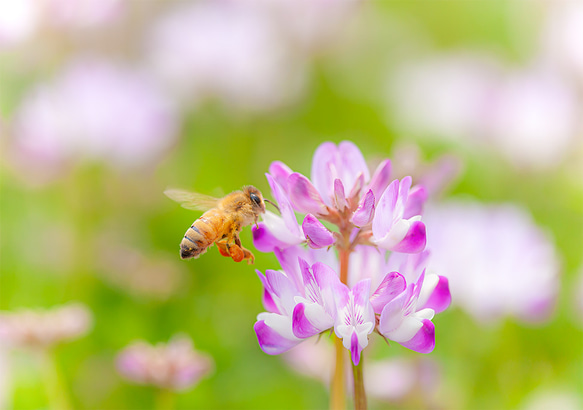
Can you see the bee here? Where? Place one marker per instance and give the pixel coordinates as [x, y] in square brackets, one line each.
[221, 222]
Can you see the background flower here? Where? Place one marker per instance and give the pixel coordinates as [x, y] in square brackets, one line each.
[505, 265]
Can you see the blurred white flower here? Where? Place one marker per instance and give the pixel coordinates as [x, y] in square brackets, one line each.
[227, 50]
[93, 110]
[444, 96]
[44, 328]
[18, 21]
[561, 36]
[311, 24]
[498, 262]
[173, 365]
[530, 115]
[534, 117]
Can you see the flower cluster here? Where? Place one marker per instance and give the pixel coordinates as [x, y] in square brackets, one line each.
[174, 365]
[43, 329]
[357, 288]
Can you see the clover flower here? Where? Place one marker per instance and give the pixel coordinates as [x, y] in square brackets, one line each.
[355, 265]
[76, 116]
[174, 365]
[504, 266]
[44, 328]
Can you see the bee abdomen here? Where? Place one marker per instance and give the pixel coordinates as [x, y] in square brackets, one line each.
[198, 237]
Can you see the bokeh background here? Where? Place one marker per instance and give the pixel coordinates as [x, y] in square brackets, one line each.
[106, 103]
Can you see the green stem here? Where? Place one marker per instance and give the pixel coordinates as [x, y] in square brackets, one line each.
[164, 399]
[56, 392]
[359, 394]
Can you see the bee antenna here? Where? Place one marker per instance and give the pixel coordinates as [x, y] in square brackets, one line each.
[273, 204]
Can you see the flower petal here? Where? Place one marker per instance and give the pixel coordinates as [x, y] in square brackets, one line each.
[268, 301]
[351, 164]
[365, 211]
[274, 340]
[424, 339]
[440, 298]
[285, 208]
[383, 218]
[392, 285]
[414, 241]
[304, 196]
[355, 349]
[309, 319]
[317, 235]
[415, 201]
[339, 195]
[264, 240]
[280, 173]
[381, 178]
[324, 169]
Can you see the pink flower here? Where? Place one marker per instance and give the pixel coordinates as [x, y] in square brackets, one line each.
[504, 265]
[174, 365]
[307, 297]
[355, 319]
[41, 329]
[393, 227]
[227, 50]
[94, 110]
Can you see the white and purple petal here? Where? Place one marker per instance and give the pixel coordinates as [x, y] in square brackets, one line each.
[274, 333]
[424, 339]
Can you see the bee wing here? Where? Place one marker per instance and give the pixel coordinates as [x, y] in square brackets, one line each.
[192, 200]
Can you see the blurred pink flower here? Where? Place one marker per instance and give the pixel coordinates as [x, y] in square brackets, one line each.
[389, 380]
[93, 110]
[530, 114]
[504, 265]
[80, 14]
[533, 118]
[228, 50]
[44, 328]
[145, 276]
[174, 365]
[444, 96]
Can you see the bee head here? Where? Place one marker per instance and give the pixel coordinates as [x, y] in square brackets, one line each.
[256, 198]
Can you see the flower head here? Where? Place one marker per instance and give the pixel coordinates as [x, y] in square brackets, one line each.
[504, 266]
[38, 328]
[341, 278]
[174, 365]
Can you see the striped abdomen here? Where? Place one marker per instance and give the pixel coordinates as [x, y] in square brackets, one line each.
[202, 234]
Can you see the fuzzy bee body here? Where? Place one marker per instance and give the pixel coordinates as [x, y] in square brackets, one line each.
[221, 223]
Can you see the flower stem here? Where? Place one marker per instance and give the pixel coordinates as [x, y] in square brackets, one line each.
[164, 399]
[57, 395]
[359, 394]
[337, 394]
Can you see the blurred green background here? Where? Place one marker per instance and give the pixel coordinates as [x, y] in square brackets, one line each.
[65, 240]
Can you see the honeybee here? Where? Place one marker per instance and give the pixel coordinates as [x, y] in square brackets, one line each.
[221, 223]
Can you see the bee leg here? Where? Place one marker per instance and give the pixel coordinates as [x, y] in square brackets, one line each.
[237, 253]
[247, 254]
[223, 249]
